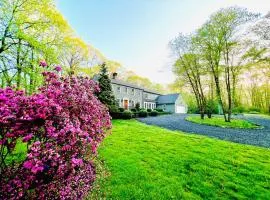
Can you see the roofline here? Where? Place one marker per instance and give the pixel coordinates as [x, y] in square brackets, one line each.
[135, 86]
[123, 84]
[171, 94]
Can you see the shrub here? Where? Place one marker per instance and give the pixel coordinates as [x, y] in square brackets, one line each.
[149, 110]
[127, 114]
[137, 106]
[154, 113]
[159, 110]
[133, 109]
[193, 109]
[164, 113]
[143, 113]
[121, 109]
[211, 107]
[254, 109]
[113, 109]
[254, 112]
[239, 109]
[60, 129]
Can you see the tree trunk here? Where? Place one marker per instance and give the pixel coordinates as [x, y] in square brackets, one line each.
[31, 86]
[19, 68]
[218, 91]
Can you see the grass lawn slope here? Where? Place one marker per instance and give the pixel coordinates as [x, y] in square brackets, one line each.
[219, 121]
[147, 162]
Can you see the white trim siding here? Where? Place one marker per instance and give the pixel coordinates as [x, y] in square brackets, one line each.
[149, 105]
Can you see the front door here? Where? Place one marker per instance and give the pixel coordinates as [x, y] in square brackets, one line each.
[126, 104]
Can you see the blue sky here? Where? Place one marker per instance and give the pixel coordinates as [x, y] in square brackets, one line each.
[136, 32]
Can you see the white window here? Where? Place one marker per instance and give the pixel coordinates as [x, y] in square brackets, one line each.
[132, 91]
[119, 89]
[126, 90]
[145, 105]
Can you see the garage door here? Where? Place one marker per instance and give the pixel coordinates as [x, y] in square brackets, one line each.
[180, 109]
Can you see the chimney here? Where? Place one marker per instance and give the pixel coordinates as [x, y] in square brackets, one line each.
[114, 75]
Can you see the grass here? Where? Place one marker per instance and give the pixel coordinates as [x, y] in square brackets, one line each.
[219, 121]
[138, 161]
[18, 155]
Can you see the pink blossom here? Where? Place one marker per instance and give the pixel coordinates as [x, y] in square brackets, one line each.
[43, 63]
[28, 164]
[27, 138]
[58, 68]
[77, 162]
[65, 122]
[37, 169]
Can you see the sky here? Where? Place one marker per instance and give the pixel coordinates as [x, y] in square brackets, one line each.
[136, 33]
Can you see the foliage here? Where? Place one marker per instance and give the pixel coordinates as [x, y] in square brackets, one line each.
[137, 106]
[143, 113]
[149, 110]
[75, 51]
[212, 59]
[211, 107]
[60, 129]
[127, 114]
[163, 164]
[105, 95]
[113, 109]
[121, 109]
[29, 30]
[133, 110]
[217, 121]
[254, 109]
[32, 30]
[159, 109]
[153, 113]
[239, 109]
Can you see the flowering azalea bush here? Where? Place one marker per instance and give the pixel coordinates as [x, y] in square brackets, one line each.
[61, 127]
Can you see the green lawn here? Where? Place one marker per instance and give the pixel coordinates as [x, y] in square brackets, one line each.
[19, 154]
[219, 121]
[138, 161]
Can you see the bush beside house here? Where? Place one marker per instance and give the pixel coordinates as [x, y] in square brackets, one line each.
[58, 131]
[105, 94]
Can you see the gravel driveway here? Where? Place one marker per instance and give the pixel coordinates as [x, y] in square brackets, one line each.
[258, 137]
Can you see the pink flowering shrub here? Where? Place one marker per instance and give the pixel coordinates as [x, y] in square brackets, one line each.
[62, 127]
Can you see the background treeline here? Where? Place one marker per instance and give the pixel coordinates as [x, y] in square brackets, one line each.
[225, 63]
[34, 30]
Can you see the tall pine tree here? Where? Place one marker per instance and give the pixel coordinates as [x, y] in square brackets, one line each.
[106, 94]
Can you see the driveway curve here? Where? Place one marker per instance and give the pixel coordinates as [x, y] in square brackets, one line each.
[257, 137]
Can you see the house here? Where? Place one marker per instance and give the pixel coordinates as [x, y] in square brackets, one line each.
[127, 95]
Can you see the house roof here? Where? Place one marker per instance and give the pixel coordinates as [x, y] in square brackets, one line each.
[120, 82]
[167, 99]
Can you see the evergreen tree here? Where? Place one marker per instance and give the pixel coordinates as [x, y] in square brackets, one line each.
[106, 94]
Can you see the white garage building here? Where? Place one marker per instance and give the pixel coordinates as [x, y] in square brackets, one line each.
[173, 103]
